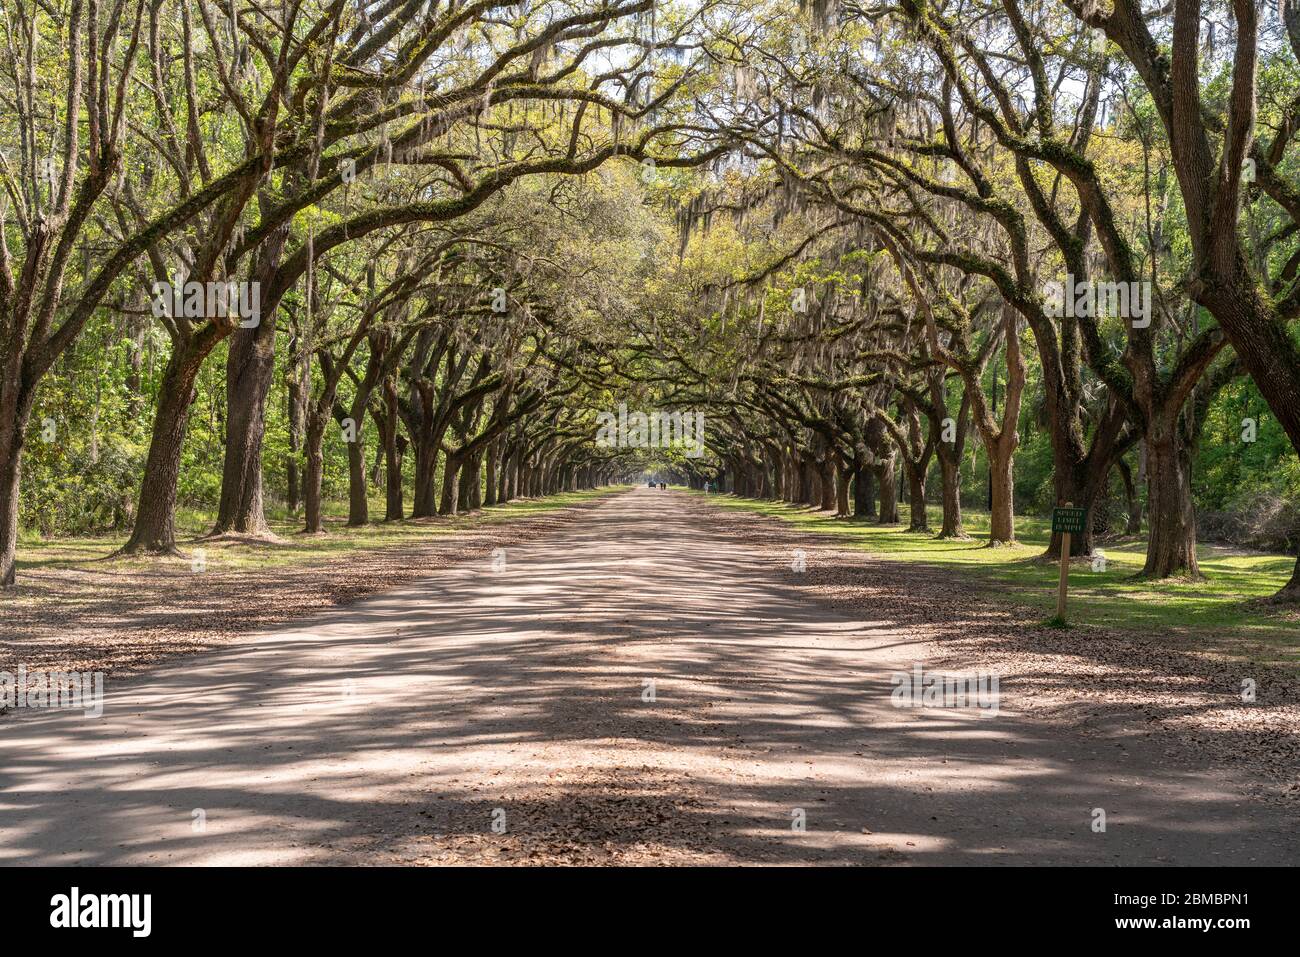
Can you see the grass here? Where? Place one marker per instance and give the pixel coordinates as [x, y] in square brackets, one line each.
[1223, 611]
[293, 547]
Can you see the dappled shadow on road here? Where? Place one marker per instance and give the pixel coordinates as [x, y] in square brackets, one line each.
[403, 727]
[1148, 683]
[125, 615]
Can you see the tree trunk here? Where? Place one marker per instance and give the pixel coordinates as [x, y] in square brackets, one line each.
[490, 475]
[842, 476]
[1291, 590]
[393, 507]
[358, 501]
[807, 482]
[250, 367]
[10, 473]
[888, 493]
[468, 493]
[507, 476]
[1171, 548]
[358, 487]
[1002, 513]
[1001, 439]
[1070, 482]
[1083, 494]
[776, 468]
[450, 485]
[826, 472]
[15, 410]
[864, 493]
[426, 467]
[299, 387]
[919, 520]
[950, 471]
[519, 479]
[155, 516]
[315, 471]
[1260, 336]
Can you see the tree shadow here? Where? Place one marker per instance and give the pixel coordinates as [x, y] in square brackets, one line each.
[393, 730]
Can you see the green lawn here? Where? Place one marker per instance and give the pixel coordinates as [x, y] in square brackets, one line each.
[1222, 612]
[293, 547]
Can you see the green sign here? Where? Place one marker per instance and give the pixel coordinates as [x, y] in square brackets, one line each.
[1069, 520]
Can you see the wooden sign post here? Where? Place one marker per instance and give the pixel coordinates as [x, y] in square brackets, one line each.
[1066, 520]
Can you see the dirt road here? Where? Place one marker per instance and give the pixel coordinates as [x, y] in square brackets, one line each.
[641, 686]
